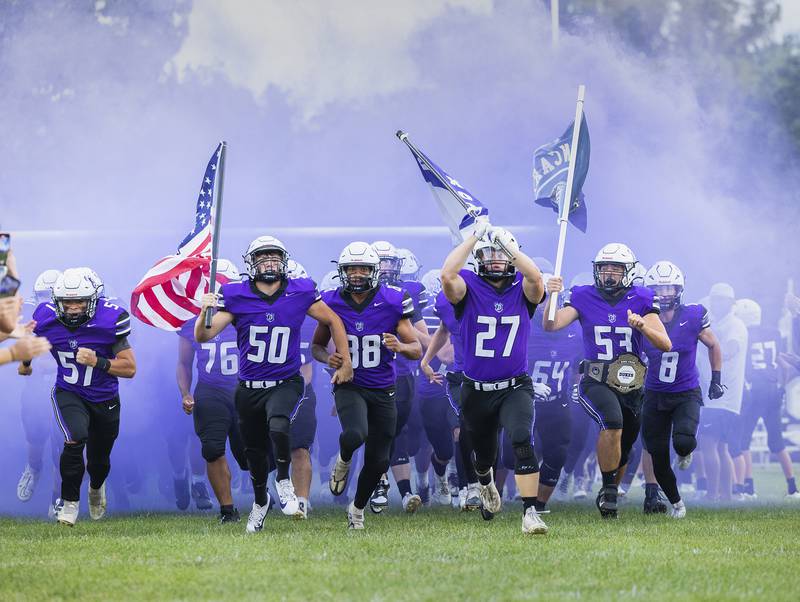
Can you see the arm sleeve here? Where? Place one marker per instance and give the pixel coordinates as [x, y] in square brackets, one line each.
[121, 345]
[408, 308]
[123, 325]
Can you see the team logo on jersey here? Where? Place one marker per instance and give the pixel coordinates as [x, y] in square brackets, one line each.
[612, 318]
[359, 326]
[73, 343]
[553, 353]
[498, 307]
[270, 317]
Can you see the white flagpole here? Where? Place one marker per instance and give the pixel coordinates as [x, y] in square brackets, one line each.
[220, 183]
[567, 200]
[554, 25]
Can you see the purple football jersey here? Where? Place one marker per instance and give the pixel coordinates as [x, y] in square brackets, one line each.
[445, 312]
[110, 324]
[217, 360]
[676, 370]
[268, 327]
[425, 388]
[606, 333]
[306, 337]
[415, 290]
[494, 328]
[553, 356]
[373, 363]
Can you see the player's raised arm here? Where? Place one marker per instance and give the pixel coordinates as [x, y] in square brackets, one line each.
[453, 284]
[564, 316]
[532, 283]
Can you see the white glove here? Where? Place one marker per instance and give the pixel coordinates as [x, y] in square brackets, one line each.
[503, 239]
[541, 391]
[481, 227]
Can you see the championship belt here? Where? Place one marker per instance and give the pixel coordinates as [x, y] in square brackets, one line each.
[625, 374]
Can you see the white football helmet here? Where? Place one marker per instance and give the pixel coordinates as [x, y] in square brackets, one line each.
[295, 269]
[410, 266]
[488, 256]
[258, 253]
[614, 254]
[75, 285]
[390, 261]
[329, 281]
[360, 254]
[43, 287]
[96, 280]
[432, 281]
[639, 272]
[660, 277]
[581, 279]
[227, 271]
[748, 311]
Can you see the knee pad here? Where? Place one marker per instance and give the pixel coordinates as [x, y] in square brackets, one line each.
[683, 444]
[212, 451]
[279, 424]
[526, 462]
[74, 449]
[400, 459]
[549, 475]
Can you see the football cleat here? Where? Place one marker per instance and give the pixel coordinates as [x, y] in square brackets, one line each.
[200, 496]
[533, 523]
[380, 497]
[654, 505]
[338, 480]
[485, 514]
[473, 501]
[67, 513]
[27, 483]
[562, 489]
[462, 499]
[229, 517]
[302, 508]
[606, 501]
[424, 494]
[792, 497]
[579, 490]
[411, 501]
[678, 510]
[183, 495]
[97, 502]
[355, 517]
[490, 496]
[255, 522]
[287, 497]
[441, 491]
[685, 462]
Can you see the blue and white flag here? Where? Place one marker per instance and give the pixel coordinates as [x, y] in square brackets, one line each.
[550, 168]
[458, 207]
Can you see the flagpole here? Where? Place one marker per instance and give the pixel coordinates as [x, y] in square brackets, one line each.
[220, 183]
[554, 25]
[563, 214]
[470, 209]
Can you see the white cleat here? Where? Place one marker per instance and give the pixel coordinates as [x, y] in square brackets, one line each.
[97, 502]
[473, 501]
[462, 499]
[67, 513]
[793, 497]
[490, 497]
[411, 501]
[678, 510]
[255, 522]
[338, 480]
[303, 508]
[532, 522]
[287, 497]
[27, 483]
[441, 491]
[355, 517]
[685, 462]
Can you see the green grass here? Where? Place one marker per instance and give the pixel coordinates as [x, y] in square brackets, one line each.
[436, 555]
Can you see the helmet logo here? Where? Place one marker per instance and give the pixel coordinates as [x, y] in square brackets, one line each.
[498, 307]
[359, 326]
[73, 344]
[270, 317]
[612, 318]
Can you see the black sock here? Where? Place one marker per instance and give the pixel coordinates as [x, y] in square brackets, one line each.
[702, 483]
[540, 505]
[484, 479]
[650, 490]
[792, 486]
[748, 486]
[281, 452]
[404, 487]
[439, 468]
[226, 509]
[260, 493]
[527, 502]
[609, 478]
[737, 489]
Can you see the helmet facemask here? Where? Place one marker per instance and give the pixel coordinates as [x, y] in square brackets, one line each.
[669, 295]
[71, 317]
[361, 279]
[390, 267]
[267, 264]
[493, 264]
[612, 276]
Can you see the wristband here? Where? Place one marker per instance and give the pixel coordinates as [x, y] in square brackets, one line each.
[716, 377]
[103, 364]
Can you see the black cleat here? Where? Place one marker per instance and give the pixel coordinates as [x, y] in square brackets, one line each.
[200, 495]
[182, 494]
[485, 514]
[655, 505]
[229, 517]
[606, 501]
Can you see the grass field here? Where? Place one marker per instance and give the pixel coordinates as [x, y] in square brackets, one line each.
[438, 554]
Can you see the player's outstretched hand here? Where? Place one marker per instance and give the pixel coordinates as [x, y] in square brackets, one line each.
[555, 284]
[9, 312]
[635, 320]
[28, 348]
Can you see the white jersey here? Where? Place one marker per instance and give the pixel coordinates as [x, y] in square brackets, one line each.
[732, 334]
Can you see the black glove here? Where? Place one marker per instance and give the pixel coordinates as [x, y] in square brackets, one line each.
[716, 389]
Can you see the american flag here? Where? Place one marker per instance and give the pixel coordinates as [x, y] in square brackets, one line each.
[169, 294]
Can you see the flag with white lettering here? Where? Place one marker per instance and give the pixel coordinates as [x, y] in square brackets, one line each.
[550, 168]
